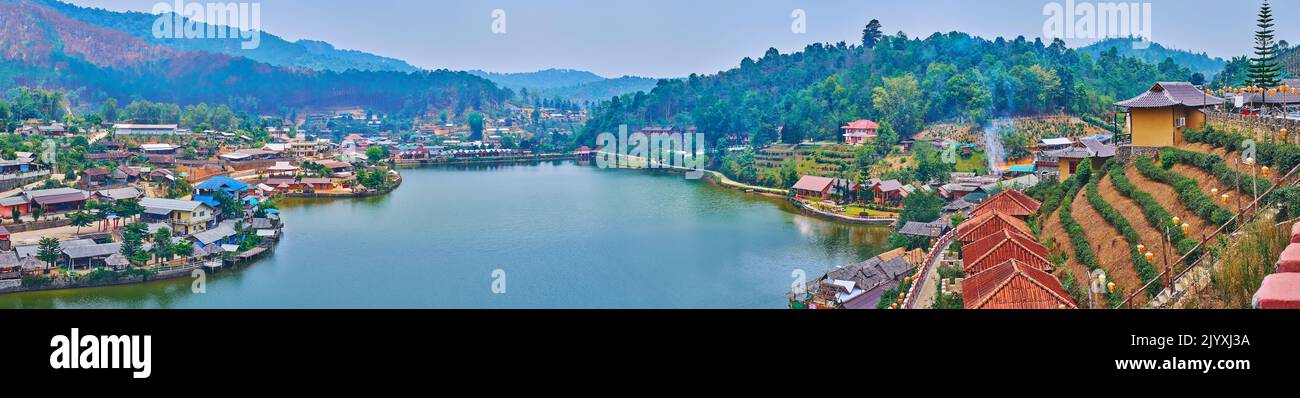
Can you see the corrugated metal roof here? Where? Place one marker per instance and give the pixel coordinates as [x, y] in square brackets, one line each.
[170, 204]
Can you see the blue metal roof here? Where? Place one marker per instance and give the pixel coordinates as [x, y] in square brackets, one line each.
[226, 183]
[207, 200]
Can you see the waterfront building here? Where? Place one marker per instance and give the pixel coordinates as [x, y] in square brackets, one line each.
[889, 193]
[813, 187]
[184, 217]
[1158, 117]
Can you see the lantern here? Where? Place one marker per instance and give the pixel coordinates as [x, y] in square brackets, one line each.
[901, 295]
[1186, 227]
[1264, 170]
[1214, 191]
[1149, 256]
[1141, 247]
[1060, 307]
[1225, 198]
[1110, 287]
[907, 279]
[1177, 220]
[1250, 161]
[893, 306]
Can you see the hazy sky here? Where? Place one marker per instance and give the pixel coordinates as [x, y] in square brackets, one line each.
[673, 38]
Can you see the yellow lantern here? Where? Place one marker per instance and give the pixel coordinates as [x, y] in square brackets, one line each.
[1110, 287]
[1264, 170]
[1177, 220]
[1060, 307]
[1149, 255]
[1225, 198]
[901, 295]
[1214, 191]
[893, 306]
[1186, 227]
[1141, 247]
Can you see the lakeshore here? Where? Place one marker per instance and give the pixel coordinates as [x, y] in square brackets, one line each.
[423, 246]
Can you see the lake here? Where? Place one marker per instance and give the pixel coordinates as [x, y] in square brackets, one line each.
[555, 234]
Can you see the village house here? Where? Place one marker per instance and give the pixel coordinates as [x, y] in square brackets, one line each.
[300, 185]
[813, 187]
[889, 193]
[113, 156]
[144, 129]
[1001, 246]
[111, 195]
[336, 168]
[1010, 202]
[184, 217]
[1064, 163]
[989, 223]
[1158, 117]
[860, 132]
[49, 200]
[1014, 285]
[860, 285]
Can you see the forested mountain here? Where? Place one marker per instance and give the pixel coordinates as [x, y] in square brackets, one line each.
[42, 47]
[274, 50]
[568, 84]
[1154, 53]
[899, 81]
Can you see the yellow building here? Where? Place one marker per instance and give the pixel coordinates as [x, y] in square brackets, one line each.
[1159, 116]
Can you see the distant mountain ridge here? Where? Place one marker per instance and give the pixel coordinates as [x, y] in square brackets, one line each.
[43, 47]
[1155, 53]
[274, 50]
[570, 84]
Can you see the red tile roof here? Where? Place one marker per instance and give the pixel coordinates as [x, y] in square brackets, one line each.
[1012, 202]
[814, 183]
[1014, 285]
[989, 223]
[1007, 244]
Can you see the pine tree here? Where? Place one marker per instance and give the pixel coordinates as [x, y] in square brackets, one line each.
[1264, 69]
[871, 34]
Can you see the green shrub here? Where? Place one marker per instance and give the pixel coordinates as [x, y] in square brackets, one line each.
[1157, 216]
[1189, 193]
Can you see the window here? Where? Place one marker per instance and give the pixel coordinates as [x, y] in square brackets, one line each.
[1180, 122]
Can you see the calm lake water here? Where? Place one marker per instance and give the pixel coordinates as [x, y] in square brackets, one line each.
[566, 236]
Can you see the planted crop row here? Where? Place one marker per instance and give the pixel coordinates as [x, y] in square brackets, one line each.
[1146, 272]
[1189, 193]
[1227, 175]
[1157, 216]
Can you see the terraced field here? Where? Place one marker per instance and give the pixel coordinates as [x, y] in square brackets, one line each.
[1168, 198]
[1111, 249]
[1229, 157]
[1208, 183]
[1058, 241]
[1129, 208]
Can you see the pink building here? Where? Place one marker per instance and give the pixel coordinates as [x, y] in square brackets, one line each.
[859, 132]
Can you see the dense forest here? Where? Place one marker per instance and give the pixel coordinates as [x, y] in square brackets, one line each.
[899, 81]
